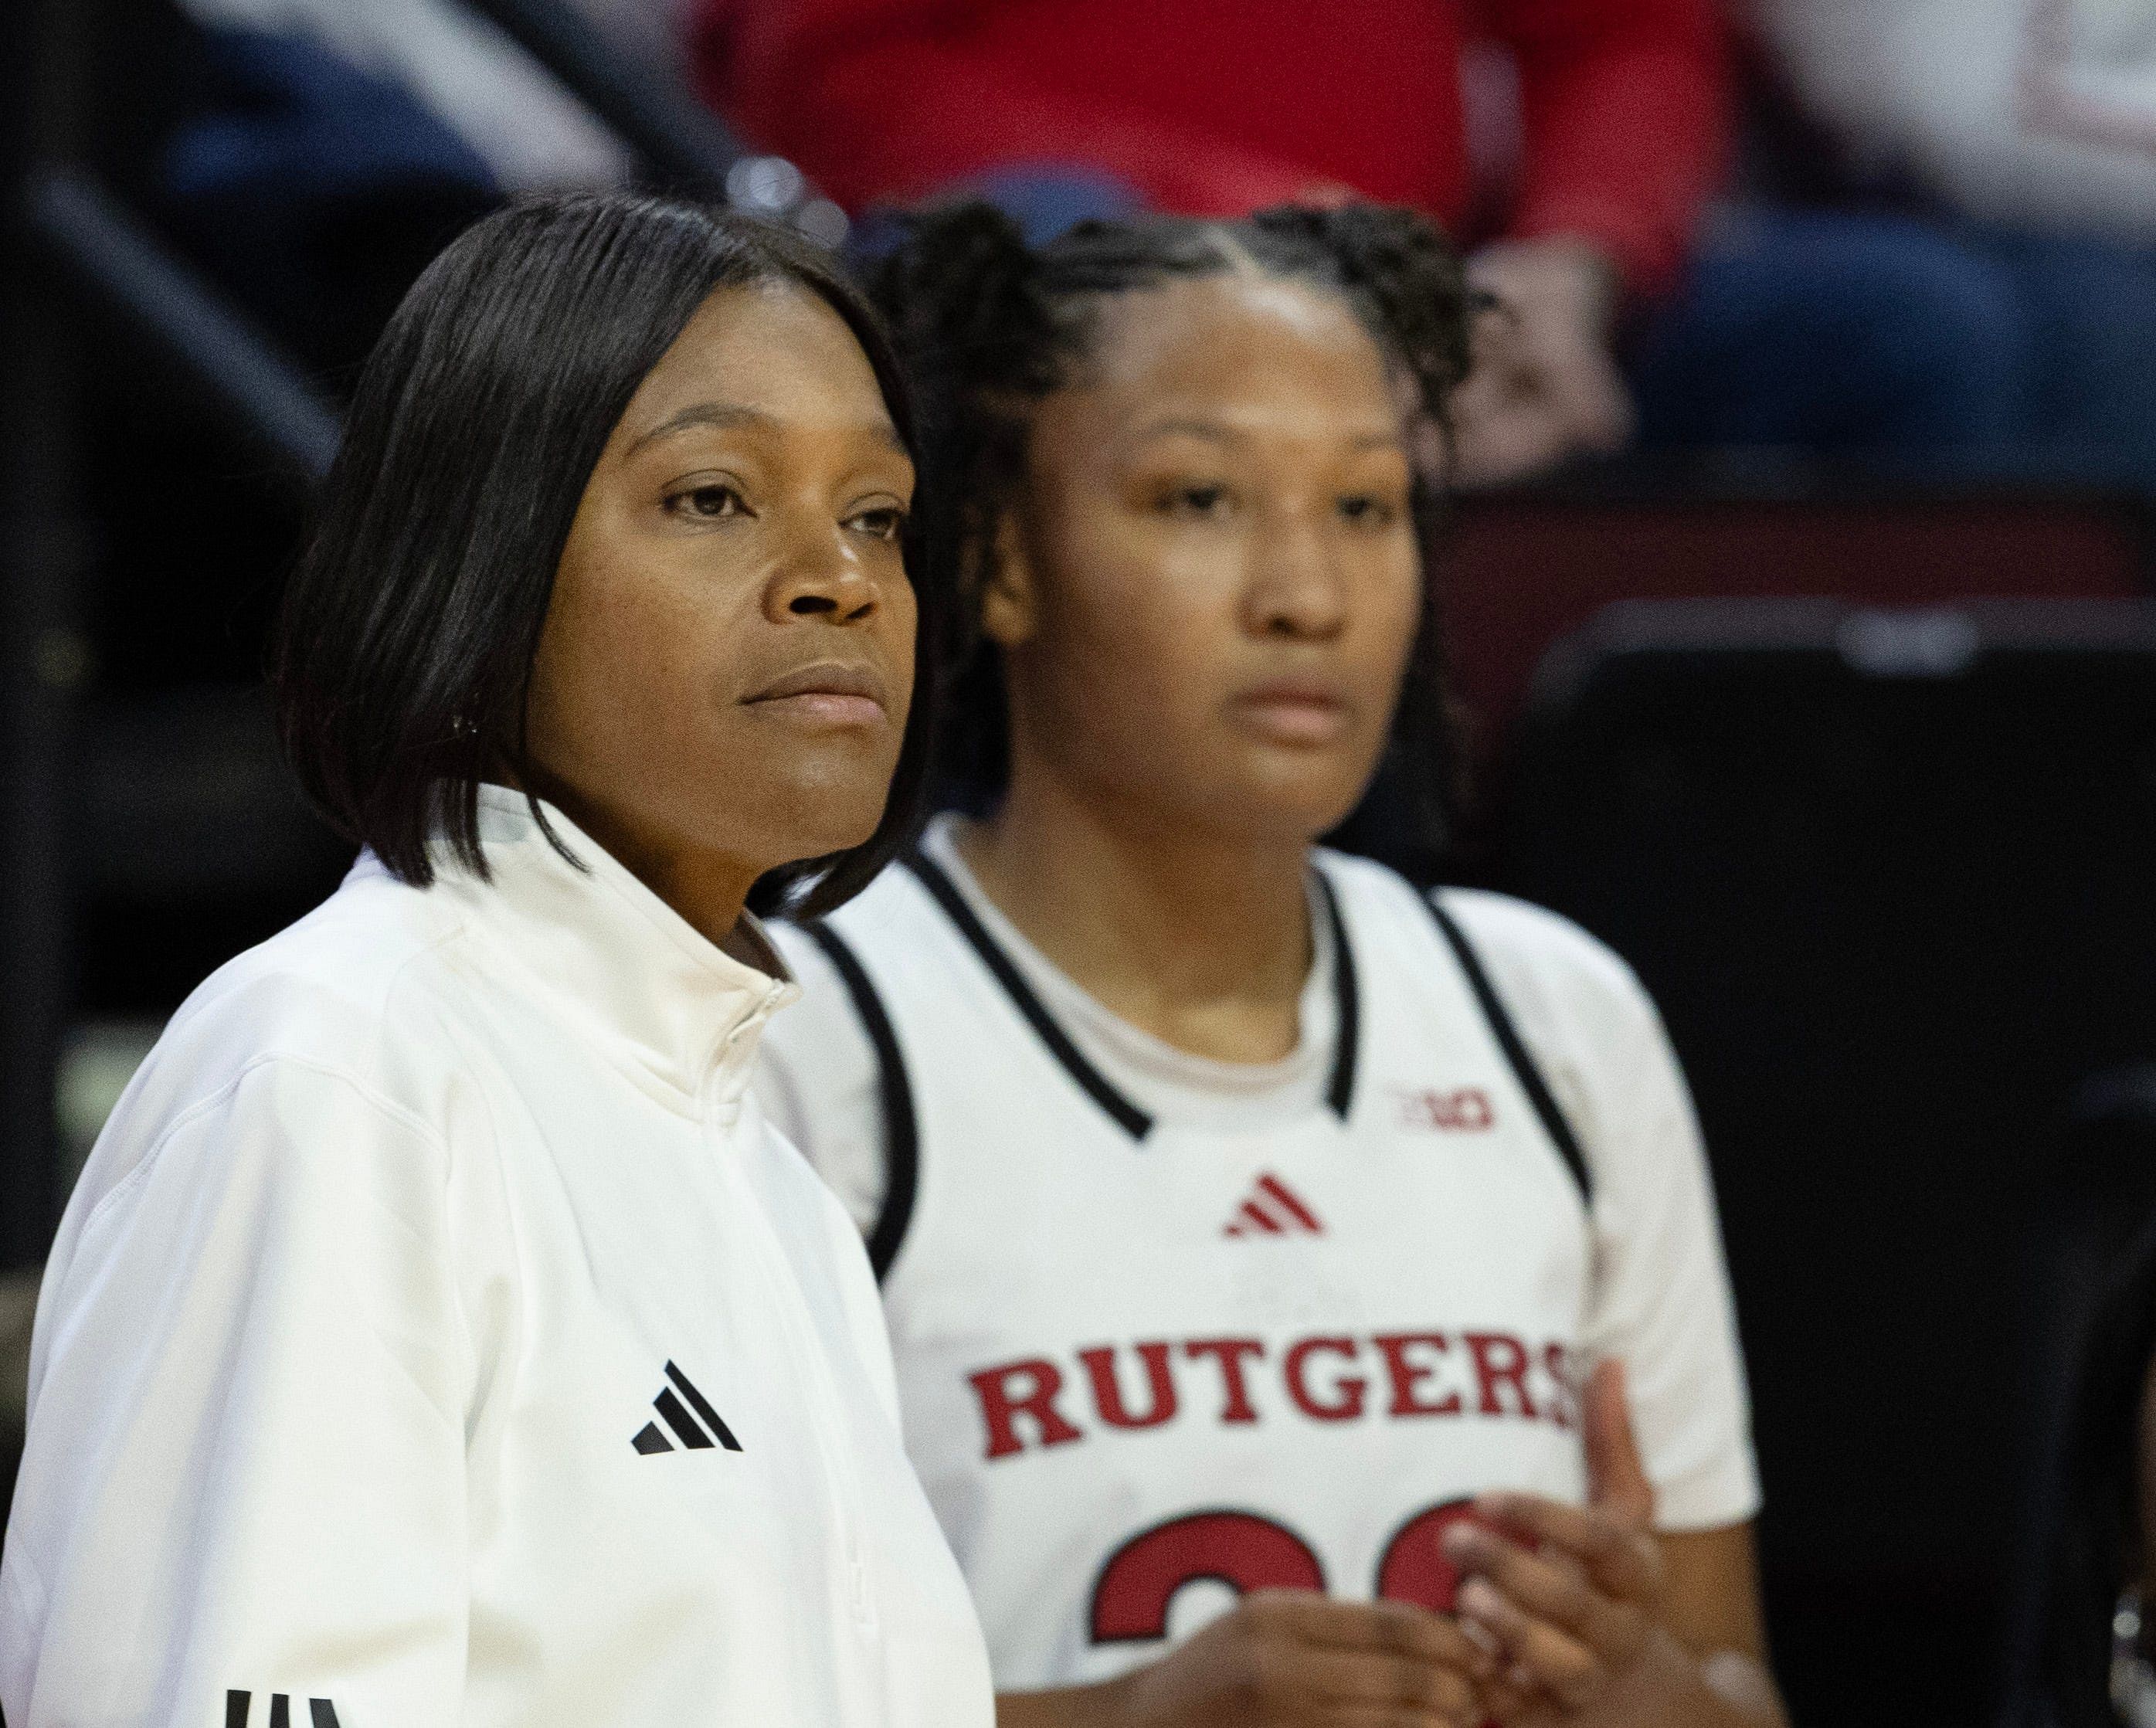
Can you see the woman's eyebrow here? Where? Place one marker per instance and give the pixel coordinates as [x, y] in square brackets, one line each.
[1211, 430]
[1216, 432]
[724, 416]
[733, 417]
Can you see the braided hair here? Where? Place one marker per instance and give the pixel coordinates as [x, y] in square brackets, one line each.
[987, 325]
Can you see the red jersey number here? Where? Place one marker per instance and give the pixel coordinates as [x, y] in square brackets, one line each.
[1247, 1552]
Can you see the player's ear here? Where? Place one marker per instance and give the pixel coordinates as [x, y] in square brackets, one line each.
[1009, 607]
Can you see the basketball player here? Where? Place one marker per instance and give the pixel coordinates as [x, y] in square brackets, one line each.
[1250, 1221]
[437, 1335]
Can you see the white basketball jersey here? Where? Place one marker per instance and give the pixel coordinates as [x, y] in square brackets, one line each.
[1135, 1356]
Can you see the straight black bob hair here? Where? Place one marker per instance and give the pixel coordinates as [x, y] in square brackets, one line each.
[402, 663]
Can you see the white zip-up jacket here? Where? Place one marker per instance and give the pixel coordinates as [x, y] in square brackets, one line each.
[438, 1334]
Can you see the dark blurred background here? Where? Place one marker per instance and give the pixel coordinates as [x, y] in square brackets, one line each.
[1799, 600]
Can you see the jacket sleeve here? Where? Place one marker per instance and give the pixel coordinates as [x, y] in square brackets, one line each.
[1624, 107]
[244, 1474]
[876, 101]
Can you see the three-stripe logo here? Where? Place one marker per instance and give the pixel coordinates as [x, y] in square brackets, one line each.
[238, 1706]
[1273, 1208]
[712, 1432]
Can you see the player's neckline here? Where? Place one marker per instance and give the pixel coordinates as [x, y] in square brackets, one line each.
[1135, 1121]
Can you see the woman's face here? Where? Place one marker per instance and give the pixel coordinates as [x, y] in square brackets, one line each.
[725, 666]
[1209, 593]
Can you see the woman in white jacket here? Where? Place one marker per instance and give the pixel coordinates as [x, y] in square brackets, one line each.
[437, 1334]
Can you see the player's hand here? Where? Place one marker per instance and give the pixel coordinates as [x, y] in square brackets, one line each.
[1288, 1660]
[1283, 1658]
[1543, 386]
[1574, 1610]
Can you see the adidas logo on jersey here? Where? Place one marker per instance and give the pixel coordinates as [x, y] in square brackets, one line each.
[1273, 1208]
[239, 1706]
[712, 1432]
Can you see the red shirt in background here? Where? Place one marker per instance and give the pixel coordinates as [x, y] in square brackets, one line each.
[1218, 106]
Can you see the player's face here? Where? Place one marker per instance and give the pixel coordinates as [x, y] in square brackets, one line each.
[1209, 595]
[726, 664]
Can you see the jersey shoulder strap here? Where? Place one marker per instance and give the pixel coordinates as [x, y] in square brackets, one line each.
[1134, 1121]
[901, 1132]
[1346, 1002]
[1517, 1052]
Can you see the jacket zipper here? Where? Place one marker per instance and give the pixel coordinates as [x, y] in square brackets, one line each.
[828, 1420]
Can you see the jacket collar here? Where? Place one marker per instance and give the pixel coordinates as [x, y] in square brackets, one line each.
[682, 1015]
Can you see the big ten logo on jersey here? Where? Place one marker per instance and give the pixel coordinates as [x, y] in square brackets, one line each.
[1465, 1110]
[1332, 1378]
[1140, 1593]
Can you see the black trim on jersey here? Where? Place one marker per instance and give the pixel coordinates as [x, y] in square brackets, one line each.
[1515, 1047]
[1133, 1121]
[1339, 1089]
[1348, 1035]
[901, 1129]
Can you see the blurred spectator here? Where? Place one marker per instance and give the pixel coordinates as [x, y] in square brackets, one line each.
[328, 148]
[1069, 108]
[2033, 115]
[313, 191]
[2029, 127]
[1576, 142]
[533, 135]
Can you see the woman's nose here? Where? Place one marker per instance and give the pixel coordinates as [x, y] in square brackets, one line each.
[825, 577]
[1297, 591]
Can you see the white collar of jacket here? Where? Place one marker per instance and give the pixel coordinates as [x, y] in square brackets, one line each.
[678, 1013]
